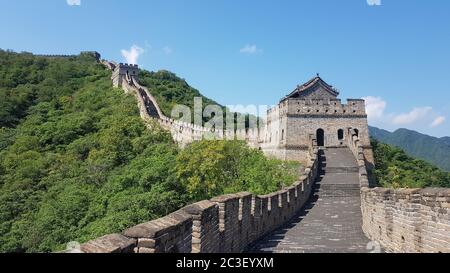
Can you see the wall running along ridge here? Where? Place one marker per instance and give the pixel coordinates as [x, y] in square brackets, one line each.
[182, 132]
[403, 220]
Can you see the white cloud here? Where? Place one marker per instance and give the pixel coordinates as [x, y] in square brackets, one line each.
[419, 118]
[415, 115]
[73, 2]
[374, 2]
[437, 122]
[131, 56]
[167, 50]
[250, 49]
[375, 107]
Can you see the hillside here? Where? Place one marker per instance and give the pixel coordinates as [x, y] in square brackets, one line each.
[395, 169]
[432, 149]
[77, 162]
[169, 90]
[446, 140]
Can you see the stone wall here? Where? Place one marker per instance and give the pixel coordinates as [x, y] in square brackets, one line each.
[121, 71]
[291, 122]
[359, 151]
[225, 224]
[125, 76]
[408, 220]
[402, 220]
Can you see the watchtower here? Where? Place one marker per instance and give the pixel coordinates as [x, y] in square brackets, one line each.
[313, 109]
[122, 71]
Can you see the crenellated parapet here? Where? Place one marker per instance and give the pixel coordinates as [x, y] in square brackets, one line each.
[408, 220]
[326, 108]
[94, 54]
[402, 220]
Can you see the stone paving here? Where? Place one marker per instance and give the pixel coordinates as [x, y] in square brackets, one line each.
[331, 221]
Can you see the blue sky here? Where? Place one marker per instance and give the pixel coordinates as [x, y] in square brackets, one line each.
[397, 54]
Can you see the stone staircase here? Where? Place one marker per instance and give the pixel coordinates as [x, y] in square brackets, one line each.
[339, 177]
[331, 221]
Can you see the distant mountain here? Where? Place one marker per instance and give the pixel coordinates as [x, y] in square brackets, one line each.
[446, 140]
[432, 149]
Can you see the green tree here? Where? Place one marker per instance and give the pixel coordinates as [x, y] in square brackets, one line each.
[394, 168]
[210, 168]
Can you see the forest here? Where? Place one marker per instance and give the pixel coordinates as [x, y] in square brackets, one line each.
[394, 168]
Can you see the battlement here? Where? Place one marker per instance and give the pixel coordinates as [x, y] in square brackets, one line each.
[330, 107]
[54, 56]
[401, 220]
[130, 69]
[318, 107]
[126, 65]
[95, 54]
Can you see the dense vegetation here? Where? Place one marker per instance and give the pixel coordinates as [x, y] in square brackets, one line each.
[432, 149]
[210, 168]
[394, 168]
[77, 162]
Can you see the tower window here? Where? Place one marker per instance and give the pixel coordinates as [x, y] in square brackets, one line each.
[340, 134]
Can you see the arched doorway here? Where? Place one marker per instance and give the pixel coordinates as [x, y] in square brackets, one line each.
[357, 132]
[340, 134]
[320, 136]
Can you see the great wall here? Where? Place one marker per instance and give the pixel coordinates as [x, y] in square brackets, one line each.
[332, 208]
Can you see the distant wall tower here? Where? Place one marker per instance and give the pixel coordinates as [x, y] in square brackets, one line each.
[94, 54]
[122, 70]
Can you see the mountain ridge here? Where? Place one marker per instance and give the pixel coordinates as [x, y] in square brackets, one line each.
[432, 149]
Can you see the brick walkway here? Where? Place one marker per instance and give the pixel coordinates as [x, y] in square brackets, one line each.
[331, 221]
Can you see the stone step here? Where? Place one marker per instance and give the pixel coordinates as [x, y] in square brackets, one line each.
[353, 169]
[337, 190]
[339, 160]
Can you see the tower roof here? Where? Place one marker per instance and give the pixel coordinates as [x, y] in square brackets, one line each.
[312, 86]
